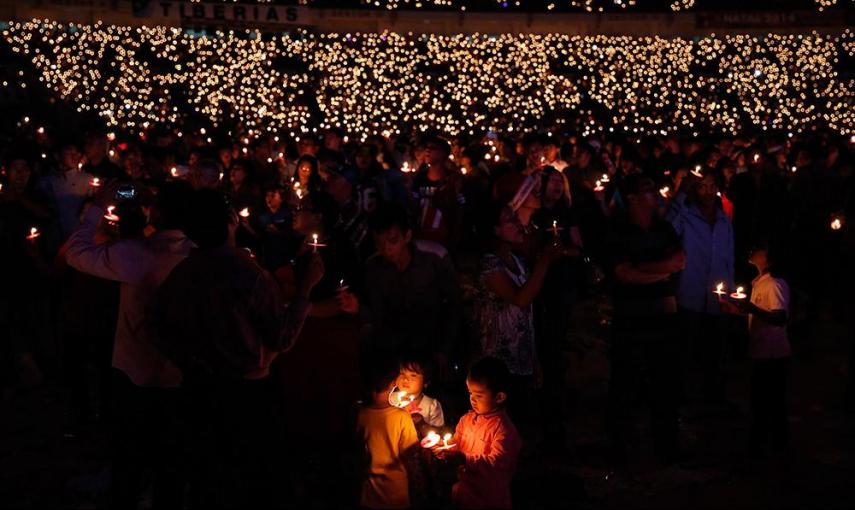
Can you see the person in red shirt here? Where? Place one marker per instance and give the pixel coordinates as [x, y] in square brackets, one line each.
[486, 443]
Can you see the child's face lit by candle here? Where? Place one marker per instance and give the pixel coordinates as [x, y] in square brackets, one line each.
[482, 399]
[411, 381]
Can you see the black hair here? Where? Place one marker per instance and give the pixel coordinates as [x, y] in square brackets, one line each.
[492, 373]
[774, 256]
[441, 143]
[173, 204]
[631, 185]
[380, 371]
[208, 219]
[387, 216]
[419, 364]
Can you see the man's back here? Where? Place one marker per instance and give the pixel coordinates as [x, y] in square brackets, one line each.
[220, 312]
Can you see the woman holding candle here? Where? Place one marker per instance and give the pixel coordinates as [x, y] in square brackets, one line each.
[506, 291]
[770, 351]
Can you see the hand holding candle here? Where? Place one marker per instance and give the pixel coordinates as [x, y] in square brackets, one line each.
[34, 234]
[111, 216]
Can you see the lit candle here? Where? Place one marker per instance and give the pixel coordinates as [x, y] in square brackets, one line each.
[342, 286]
[795, 169]
[739, 294]
[244, 213]
[314, 243]
[719, 289]
[95, 182]
[34, 233]
[174, 171]
[40, 130]
[111, 216]
[445, 439]
[431, 440]
[599, 187]
[697, 172]
[836, 224]
[756, 158]
[664, 191]
[605, 178]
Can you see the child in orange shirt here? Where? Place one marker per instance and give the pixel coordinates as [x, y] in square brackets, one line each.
[485, 440]
[390, 441]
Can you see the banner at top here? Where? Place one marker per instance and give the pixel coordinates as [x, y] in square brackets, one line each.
[190, 13]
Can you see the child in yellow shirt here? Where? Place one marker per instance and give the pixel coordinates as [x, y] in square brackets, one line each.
[389, 439]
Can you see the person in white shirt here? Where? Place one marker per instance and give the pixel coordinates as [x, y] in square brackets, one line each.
[146, 382]
[552, 153]
[769, 348]
[414, 377]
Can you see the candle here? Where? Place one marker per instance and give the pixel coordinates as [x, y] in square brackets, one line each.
[244, 213]
[111, 136]
[342, 286]
[174, 171]
[40, 130]
[431, 440]
[445, 439]
[756, 158]
[719, 289]
[836, 224]
[697, 172]
[599, 187]
[95, 182]
[111, 216]
[794, 169]
[34, 233]
[664, 191]
[605, 178]
[739, 294]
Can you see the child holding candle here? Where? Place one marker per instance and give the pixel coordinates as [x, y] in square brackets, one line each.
[390, 441]
[414, 377]
[769, 348]
[485, 441]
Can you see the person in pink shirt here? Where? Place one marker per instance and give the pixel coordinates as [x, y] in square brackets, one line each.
[486, 443]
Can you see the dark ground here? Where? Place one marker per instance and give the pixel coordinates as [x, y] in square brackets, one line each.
[41, 468]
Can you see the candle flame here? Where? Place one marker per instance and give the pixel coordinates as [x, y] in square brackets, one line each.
[664, 191]
[836, 224]
[34, 231]
[244, 213]
[315, 240]
[174, 171]
[95, 182]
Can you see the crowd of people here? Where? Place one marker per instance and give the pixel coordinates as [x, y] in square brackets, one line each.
[265, 320]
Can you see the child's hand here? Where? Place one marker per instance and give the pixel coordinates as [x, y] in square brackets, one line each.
[449, 454]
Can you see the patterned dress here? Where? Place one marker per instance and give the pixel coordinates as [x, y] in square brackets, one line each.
[506, 330]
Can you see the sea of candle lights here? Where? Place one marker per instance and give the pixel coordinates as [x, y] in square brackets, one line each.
[385, 83]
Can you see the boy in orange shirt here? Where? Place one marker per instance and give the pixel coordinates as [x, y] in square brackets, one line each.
[485, 440]
[389, 439]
